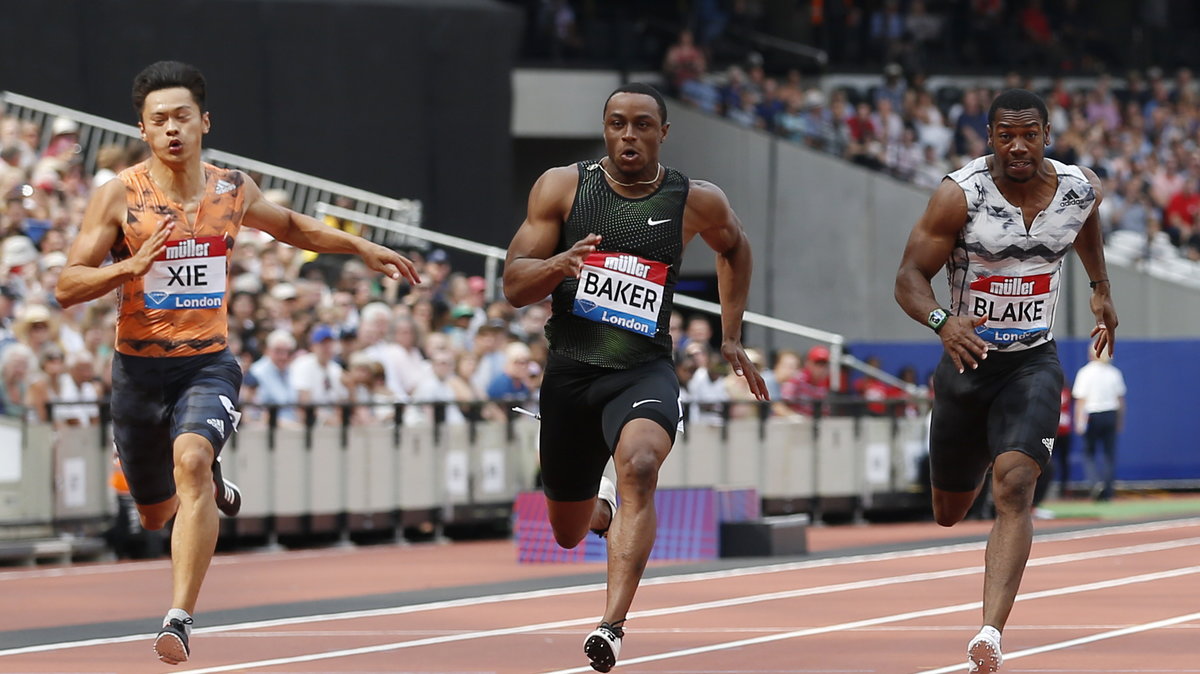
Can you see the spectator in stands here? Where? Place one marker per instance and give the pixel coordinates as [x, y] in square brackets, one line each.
[684, 62]
[513, 382]
[746, 114]
[271, 371]
[810, 384]
[45, 385]
[1130, 208]
[787, 363]
[488, 351]
[436, 276]
[1182, 210]
[674, 328]
[366, 382]
[317, 378]
[970, 127]
[376, 339]
[440, 384]
[931, 169]
[78, 385]
[110, 160]
[64, 139]
[706, 389]
[16, 367]
[8, 301]
[37, 328]
[11, 173]
[699, 331]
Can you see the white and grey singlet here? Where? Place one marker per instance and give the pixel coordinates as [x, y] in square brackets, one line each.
[1011, 275]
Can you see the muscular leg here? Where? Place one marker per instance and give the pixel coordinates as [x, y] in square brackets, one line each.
[950, 507]
[194, 536]
[643, 447]
[1014, 478]
[571, 520]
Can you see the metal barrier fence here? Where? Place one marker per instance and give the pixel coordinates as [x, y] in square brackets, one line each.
[313, 478]
[304, 191]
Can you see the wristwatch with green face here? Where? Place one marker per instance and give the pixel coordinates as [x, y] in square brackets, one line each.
[937, 318]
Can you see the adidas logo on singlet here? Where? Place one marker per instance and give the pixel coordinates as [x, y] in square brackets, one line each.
[1071, 199]
[224, 186]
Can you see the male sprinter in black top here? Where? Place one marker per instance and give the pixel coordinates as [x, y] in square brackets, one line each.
[606, 238]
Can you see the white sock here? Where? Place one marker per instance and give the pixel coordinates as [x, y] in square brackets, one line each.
[180, 615]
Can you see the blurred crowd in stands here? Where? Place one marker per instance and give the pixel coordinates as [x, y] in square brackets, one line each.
[317, 331]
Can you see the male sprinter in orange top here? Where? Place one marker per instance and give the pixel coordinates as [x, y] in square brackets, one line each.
[169, 224]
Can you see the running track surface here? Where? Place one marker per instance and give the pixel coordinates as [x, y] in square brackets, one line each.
[892, 599]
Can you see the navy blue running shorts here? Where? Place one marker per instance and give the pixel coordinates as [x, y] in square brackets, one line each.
[1010, 403]
[155, 400]
[584, 408]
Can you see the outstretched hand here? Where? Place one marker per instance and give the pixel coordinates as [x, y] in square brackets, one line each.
[390, 263]
[964, 346]
[572, 258]
[743, 367]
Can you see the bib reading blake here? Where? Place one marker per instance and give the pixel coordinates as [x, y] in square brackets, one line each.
[1015, 307]
[188, 274]
[622, 290]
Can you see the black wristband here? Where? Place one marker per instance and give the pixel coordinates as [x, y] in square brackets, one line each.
[1093, 284]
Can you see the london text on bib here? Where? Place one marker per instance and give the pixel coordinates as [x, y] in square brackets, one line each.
[622, 290]
[1015, 307]
[188, 274]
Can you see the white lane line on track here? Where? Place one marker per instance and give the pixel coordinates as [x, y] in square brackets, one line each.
[276, 558]
[869, 622]
[524, 629]
[537, 594]
[1113, 634]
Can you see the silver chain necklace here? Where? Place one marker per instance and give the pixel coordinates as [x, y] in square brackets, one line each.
[653, 180]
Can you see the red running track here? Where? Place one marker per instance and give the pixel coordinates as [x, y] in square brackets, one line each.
[1118, 598]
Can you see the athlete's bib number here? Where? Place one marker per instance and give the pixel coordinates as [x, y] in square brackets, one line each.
[622, 290]
[188, 274]
[1015, 307]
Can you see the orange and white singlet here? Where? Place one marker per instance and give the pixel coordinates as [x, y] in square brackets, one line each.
[178, 308]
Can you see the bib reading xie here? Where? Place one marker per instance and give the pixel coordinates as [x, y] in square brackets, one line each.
[188, 274]
[622, 290]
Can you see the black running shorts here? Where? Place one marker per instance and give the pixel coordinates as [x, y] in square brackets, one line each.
[1010, 403]
[155, 400]
[584, 408]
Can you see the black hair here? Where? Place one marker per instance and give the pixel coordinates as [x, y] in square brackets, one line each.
[168, 75]
[641, 88]
[1018, 99]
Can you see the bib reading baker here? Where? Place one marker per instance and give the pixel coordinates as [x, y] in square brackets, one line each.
[617, 313]
[1004, 273]
[622, 290]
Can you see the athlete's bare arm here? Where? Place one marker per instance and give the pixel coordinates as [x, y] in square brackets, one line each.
[83, 278]
[709, 214]
[1089, 245]
[308, 233]
[929, 247]
[531, 269]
